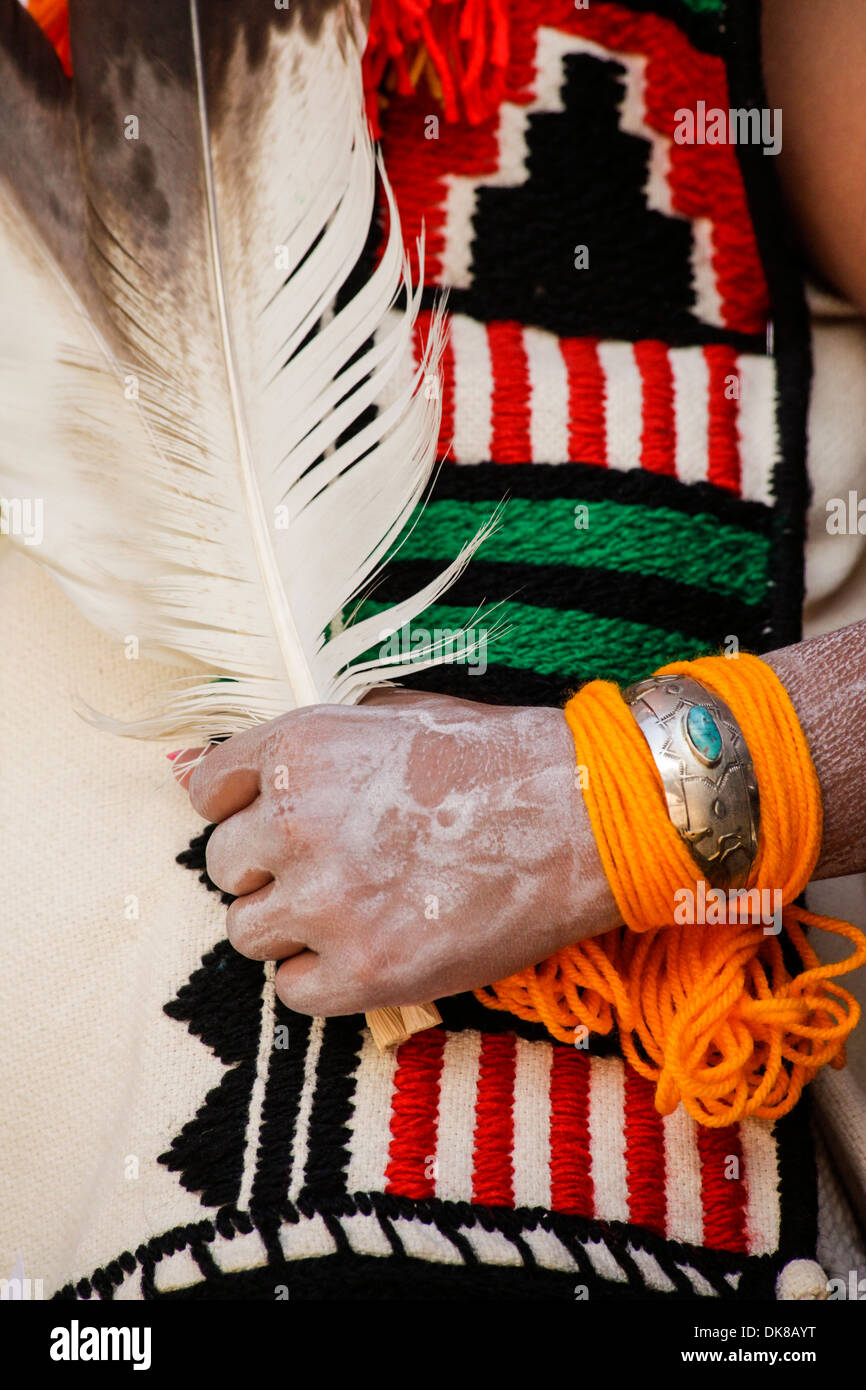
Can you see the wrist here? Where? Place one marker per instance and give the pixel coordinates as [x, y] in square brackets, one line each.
[825, 678]
[581, 900]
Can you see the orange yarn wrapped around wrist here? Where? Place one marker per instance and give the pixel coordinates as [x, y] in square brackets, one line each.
[710, 1013]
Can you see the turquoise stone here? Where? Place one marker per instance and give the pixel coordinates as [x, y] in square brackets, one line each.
[703, 731]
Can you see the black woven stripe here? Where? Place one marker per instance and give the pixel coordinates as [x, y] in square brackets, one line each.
[500, 685]
[366, 1278]
[464, 1011]
[637, 598]
[587, 482]
[783, 267]
[798, 1182]
[328, 1140]
[279, 1115]
[487, 309]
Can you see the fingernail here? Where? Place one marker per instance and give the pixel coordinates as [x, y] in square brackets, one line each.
[171, 756]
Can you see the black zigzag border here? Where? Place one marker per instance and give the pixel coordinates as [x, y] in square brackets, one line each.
[346, 1273]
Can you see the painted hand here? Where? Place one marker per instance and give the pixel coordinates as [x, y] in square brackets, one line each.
[402, 850]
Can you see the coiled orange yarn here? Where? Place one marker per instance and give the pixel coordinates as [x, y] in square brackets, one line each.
[710, 1013]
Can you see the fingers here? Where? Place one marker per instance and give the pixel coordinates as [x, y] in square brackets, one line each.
[258, 926]
[299, 984]
[236, 861]
[223, 783]
[325, 983]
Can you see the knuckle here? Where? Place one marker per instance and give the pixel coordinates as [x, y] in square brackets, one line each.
[215, 861]
[240, 931]
[198, 787]
[298, 995]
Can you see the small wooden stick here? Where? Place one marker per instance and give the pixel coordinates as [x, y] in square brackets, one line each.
[392, 1026]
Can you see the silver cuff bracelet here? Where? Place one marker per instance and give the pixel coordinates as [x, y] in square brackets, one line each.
[706, 771]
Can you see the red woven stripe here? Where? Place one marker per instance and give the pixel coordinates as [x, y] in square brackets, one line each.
[724, 1198]
[571, 1186]
[419, 170]
[493, 1172]
[446, 427]
[587, 441]
[414, 1115]
[644, 1154]
[658, 435]
[724, 439]
[422, 161]
[510, 442]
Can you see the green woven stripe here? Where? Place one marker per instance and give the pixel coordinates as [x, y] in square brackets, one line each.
[704, 6]
[573, 644]
[619, 536]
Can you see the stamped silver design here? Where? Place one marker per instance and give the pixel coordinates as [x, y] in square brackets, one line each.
[709, 783]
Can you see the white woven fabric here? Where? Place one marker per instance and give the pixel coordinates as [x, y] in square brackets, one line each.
[93, 1075]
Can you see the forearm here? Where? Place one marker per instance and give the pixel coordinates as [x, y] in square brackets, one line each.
[826, 680]
[420, 845]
